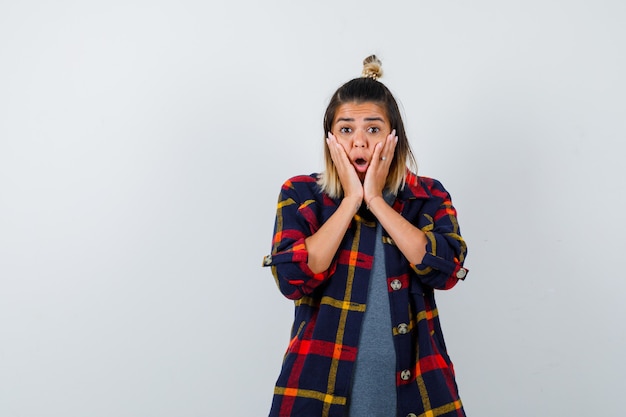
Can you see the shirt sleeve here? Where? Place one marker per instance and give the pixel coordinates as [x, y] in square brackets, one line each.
[296, 219]
[442, 266]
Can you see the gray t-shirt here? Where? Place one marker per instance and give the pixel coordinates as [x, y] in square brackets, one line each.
[373, 391]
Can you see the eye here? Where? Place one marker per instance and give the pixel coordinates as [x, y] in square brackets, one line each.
[373, 129]
[345, 130]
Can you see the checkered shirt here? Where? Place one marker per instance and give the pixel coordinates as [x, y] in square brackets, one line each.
[315, 378]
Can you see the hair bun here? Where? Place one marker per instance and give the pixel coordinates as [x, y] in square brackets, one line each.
[372, 67]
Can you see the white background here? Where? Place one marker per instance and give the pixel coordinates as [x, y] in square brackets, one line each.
[143, 145]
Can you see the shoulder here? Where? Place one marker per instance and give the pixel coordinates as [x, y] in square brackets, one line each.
[301, 180]
[424, 187]
[304, 186]
[302, 183]
[305, 189]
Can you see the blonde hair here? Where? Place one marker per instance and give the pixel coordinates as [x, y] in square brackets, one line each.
[360, 90]
[372, 67]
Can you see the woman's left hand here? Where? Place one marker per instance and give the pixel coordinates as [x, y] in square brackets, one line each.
[376, 175]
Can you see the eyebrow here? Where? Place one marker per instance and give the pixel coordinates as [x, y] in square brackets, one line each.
[367, 119]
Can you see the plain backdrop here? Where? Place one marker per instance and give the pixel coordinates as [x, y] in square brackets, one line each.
[143, 145]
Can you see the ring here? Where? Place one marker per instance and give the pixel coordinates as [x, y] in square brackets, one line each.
[382, 158]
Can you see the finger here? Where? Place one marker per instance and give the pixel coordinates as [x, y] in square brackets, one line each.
[375, 159]
[340, 158]
[335, 148]
[337, 152]
[387, 139]
[383, 152]
[390, 147]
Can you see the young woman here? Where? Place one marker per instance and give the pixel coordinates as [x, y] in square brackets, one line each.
[361, 248]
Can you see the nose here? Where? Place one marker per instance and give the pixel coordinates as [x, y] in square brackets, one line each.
[359, 140]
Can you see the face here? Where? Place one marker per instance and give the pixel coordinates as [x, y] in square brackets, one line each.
[358, 127]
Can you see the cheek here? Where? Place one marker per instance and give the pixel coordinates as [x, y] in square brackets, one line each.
[343, 141]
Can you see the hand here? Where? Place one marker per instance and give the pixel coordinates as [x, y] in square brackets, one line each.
[350, 182]
[377, 173]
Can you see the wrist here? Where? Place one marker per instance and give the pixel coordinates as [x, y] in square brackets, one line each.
[372, 200]
[352, 202]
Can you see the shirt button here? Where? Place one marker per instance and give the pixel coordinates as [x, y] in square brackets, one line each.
[403, 328]
[460, 274]
[405, 375]
[396, 284]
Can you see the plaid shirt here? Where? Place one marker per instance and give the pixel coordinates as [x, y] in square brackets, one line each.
[316, 374]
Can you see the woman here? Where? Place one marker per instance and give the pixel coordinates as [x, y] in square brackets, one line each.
[361, 248]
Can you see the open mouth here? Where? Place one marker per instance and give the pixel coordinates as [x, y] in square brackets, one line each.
[360, 162]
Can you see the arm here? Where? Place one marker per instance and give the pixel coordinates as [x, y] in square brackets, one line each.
[410, 239]
[324, 243]
[297, 218]
[305, 246]
[432, 243]
[442, 265]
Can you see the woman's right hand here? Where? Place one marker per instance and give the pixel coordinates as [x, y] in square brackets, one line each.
[322, 246]
[350, 182]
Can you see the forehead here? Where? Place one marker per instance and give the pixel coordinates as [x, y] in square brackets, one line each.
[361, 111]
